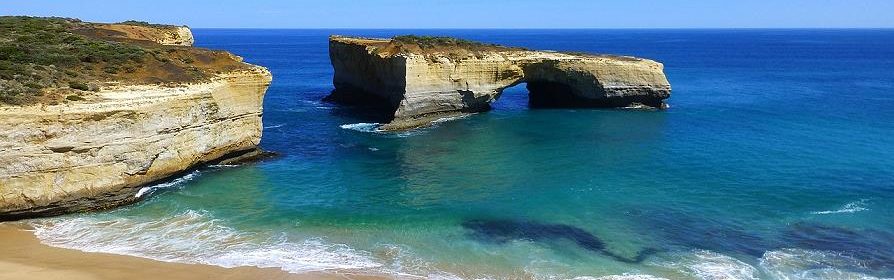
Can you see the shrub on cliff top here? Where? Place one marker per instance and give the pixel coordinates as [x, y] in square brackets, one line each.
[146, 24]
[444, 45]
[37, 54]
[435, 41]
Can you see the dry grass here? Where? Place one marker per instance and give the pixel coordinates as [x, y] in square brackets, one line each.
[49, 60]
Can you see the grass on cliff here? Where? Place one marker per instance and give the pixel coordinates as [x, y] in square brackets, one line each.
[435, 45]
[429, 42]
[43, 60]
[456, 47]
[145, 24]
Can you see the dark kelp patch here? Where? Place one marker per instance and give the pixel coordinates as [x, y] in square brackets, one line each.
[873, 248]
[501, 231]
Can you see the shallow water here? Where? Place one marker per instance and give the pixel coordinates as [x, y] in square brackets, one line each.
[774, 162]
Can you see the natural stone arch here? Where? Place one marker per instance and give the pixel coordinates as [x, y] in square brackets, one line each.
[419, 87]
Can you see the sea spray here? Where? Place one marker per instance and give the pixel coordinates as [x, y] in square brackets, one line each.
[173, 183]
[852, 207]
[193, 237]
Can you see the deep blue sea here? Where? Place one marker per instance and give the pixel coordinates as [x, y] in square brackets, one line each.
[775, 161]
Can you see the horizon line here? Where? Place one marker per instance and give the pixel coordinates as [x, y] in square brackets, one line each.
[550, 28]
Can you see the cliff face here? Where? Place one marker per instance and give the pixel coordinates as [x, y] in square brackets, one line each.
[82, 156]
[421, 85]
[99, 148]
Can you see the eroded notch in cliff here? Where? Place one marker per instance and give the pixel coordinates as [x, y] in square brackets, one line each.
[363, 103]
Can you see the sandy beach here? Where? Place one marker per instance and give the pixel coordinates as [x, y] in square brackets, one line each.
[23, 257]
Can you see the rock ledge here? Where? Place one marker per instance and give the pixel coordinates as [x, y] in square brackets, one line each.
[420, 79]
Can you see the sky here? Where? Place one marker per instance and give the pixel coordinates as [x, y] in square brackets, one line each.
[473, 13]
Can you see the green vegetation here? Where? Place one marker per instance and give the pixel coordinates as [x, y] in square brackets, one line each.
[440, 46]
[43, 60]
[37, 53]
[143, 23]
[74, 98]
[78, 85]
[427, 42]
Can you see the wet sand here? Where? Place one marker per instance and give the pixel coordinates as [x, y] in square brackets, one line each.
[23, 257]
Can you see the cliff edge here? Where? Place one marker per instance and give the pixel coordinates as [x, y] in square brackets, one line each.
[128, 110]
[420, 79]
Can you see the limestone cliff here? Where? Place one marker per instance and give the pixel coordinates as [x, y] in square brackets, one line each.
[99, 149]
[91, 155]
[420, 81]
[160, 34]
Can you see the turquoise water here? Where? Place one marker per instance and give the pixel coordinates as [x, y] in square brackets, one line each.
[775, 161]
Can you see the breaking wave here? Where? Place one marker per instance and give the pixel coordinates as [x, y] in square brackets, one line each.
[193, 237]
[174, 183]
[853, 207]
[362, 127]
[703, 264]
[797, 264]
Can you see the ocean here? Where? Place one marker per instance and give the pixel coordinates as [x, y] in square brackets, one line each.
[775, 161]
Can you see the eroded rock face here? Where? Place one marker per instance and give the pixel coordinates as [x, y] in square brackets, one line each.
[96, 154]
[419, 87]
[166, 35]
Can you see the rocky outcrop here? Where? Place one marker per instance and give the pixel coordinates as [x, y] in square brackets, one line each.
[160, 34]
[103, 143]
[97, 154]
[418, 81]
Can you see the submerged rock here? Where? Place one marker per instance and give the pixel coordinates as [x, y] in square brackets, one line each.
[503, 231]
[420, 79]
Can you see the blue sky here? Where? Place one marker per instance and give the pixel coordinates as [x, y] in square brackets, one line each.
[474, 13]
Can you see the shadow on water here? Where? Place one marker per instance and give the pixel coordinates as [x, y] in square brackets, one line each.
[679, 230]
[874, 249]
[503, 231]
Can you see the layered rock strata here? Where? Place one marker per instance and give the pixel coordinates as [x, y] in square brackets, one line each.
[99, 149]
[92, 155]
[419, 83]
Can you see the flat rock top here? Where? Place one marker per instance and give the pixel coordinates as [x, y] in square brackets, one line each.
[457, 48]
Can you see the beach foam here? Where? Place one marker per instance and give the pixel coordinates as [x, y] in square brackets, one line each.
[622, 277]
[796, 264]
[704, 264]
[194, 237]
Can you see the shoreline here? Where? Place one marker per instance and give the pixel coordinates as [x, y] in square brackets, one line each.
[24, 257]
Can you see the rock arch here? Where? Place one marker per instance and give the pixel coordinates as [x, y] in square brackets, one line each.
[424, 85]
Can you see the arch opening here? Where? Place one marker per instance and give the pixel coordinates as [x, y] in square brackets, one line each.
[538, 94]
[512, 98]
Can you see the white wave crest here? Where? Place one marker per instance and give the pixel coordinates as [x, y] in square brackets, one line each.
[797, 264]
[174, 183]
[362, 127]
[704, 264]
[621, 277]
[453, 118]
[852, 207]
[192, 237]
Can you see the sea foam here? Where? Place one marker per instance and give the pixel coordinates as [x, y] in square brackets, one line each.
[174, 183]
[193, 237]
[362, 127]
[704, 264]
[797, 264]
[852, 207]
